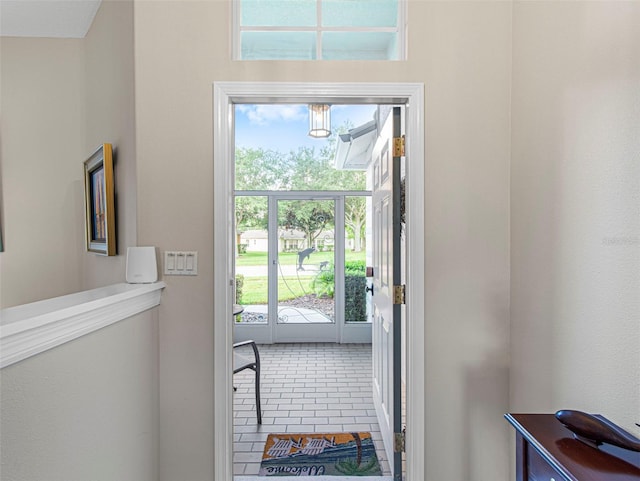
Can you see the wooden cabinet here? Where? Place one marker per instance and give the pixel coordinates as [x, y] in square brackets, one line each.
[547, 451]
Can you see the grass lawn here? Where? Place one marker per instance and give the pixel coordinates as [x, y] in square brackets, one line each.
[291, 258]
[255, 289]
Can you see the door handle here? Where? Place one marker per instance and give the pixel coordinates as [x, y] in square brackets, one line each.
[369, 289]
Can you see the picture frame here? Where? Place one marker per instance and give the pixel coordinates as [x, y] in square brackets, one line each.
[99, 202]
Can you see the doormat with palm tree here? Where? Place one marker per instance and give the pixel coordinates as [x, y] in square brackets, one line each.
[315, 454]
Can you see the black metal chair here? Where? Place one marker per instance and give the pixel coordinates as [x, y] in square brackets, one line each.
[241, 362]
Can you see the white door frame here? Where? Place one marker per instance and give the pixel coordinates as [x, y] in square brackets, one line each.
[225, 95]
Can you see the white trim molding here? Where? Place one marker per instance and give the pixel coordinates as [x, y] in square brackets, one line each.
[225, 95]
[30, 329]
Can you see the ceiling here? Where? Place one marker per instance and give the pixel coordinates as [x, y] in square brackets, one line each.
[47, 18]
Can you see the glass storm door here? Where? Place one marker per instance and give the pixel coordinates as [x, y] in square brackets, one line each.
[303, 268]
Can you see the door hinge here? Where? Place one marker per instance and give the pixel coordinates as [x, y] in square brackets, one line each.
[398, 146]
[399, 294]
[400, 441]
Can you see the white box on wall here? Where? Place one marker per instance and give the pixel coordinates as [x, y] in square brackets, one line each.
[142, 266]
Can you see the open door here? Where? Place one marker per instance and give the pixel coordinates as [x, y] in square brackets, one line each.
[386, 276]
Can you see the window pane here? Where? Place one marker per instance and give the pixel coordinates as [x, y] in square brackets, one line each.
[278, 45]
[306, 259]
[359, 13]
[359, 46]
[356, 299]
[278, 13]
[252, 243]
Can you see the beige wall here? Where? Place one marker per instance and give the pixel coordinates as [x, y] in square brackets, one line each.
[42, 105]
[86, 410]
[60, 100]
[110, 117]
[575, 197]
[462, 52]
[572, 232]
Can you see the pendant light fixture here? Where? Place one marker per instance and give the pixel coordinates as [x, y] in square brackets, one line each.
[319, 120]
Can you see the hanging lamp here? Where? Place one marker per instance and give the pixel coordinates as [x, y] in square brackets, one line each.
[319, 120]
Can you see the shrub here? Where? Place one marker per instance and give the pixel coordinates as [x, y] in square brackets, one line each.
[355, 297]
[355, 309]
[239, 285]
[355, 267]
[323, 284]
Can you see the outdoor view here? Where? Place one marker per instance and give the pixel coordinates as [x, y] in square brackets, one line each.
[274, 155]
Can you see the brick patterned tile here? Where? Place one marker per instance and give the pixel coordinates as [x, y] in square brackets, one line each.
[305, 388]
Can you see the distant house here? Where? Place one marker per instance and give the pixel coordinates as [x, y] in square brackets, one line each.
[256, 240]
[289, 240]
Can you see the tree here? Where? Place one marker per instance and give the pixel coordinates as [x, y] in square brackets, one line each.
[256, 169]
[306, 168]
[317, 172]
[259, 169]
[251, 213]
[355, 216]
[308, 216]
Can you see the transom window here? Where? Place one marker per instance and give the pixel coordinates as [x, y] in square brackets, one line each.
[319, 29]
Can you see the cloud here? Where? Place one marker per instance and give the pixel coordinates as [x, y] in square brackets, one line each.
[267, 114]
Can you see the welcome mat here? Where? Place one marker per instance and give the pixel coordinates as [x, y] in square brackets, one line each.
[315, 454]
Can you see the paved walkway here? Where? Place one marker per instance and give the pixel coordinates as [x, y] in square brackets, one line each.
[288, 314]
[310, 270]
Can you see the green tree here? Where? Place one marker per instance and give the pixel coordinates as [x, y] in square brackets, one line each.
[306, 168]
[251, 213]
[355, 216]
[259, 169]
[311, 171]
[308, 216]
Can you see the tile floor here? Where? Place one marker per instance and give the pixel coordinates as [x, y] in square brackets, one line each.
[319, 387]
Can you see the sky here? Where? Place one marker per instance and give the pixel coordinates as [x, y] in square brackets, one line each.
[285, 127]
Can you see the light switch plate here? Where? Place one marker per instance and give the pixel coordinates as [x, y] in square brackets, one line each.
[181, 263]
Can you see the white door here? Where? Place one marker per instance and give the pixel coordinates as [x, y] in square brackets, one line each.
[386, 274]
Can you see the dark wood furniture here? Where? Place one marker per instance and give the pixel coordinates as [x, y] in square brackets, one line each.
[547, 451]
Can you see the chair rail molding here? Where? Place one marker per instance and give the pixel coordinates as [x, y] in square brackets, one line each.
[33, 328]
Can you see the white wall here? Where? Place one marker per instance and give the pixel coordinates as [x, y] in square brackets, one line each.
[575, 209]
[462, 52]
[86, 410]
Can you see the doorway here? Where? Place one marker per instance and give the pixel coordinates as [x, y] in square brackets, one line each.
[225, 95]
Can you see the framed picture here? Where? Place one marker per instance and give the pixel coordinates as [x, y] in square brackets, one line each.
[99, 202]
